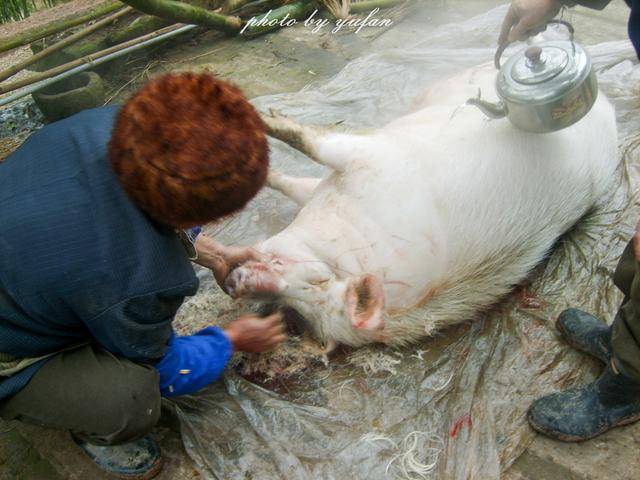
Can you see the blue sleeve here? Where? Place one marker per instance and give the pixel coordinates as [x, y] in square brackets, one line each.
[193, 362]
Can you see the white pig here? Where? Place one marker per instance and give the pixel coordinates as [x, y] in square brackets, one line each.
[428, 220]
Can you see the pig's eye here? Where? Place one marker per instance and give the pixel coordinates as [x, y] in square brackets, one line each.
[319, 283]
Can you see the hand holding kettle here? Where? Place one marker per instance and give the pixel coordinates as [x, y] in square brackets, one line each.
[543, 88]
[526, 18]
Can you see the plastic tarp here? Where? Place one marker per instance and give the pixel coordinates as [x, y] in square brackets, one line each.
[451, 407]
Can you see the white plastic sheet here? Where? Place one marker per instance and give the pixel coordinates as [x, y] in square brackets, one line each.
[452, 407]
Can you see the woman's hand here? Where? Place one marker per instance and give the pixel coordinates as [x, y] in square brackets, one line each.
[255, 335]
[230, 258]
[220, 258]
[526, 18]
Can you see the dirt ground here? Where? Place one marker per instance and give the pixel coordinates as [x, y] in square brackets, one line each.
[287, 61]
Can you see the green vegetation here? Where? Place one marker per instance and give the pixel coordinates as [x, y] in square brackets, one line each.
[11, 10]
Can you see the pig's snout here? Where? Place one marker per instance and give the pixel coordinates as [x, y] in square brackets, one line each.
[234, 284]
[253, 278]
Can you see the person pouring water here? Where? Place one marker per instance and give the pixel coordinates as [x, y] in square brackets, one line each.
[613, 399]
[526, 18]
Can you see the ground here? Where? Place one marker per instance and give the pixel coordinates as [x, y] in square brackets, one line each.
[38, 19]
[287, 61]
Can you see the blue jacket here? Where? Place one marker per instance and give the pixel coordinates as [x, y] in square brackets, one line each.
[634, 18]
[79, 263]
[634, 24]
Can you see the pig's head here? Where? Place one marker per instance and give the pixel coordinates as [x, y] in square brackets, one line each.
[339, 308]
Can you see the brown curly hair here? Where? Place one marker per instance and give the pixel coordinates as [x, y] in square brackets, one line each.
[188, 149]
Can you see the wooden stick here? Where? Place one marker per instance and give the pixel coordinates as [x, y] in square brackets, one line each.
[62, 43]
[42, 31]
[185, 13]
[9, 87]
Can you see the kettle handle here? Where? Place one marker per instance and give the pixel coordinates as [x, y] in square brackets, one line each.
[502, 47]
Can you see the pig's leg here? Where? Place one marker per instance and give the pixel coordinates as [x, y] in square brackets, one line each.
[304, 138]
[299, 190]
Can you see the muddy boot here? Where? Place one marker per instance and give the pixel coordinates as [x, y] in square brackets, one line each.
[139, 460]
[586, 412]
[586, 333]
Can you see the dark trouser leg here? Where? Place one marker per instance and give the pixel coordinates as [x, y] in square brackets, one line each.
[625, 338]
[102, 399]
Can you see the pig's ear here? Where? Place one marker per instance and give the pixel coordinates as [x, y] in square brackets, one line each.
[365, 301]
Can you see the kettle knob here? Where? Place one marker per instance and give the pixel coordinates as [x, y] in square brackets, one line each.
[533, 54]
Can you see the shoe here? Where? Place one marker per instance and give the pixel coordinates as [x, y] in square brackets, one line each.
[582, 413]
[586, 333]
[139, 460]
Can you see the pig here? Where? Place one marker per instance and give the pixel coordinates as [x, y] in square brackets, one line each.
[427, 221]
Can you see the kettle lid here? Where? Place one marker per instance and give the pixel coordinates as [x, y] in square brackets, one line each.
[539, 64]
[544, 72]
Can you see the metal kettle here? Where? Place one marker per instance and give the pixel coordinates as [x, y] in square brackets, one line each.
[543, 88]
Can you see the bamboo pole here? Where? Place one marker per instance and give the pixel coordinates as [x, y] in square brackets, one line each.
[42, 31]
[255, 7]
[9, 87]
[368, 5]
[185, 13]
[92, 64]
[9, 72]
[230, 6]
[140, 26]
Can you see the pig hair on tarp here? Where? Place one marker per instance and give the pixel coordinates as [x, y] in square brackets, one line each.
[405, 460]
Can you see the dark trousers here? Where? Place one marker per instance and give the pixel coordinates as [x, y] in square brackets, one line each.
[625, 338]
[99, 397]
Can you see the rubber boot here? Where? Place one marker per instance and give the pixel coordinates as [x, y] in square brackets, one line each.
[139, 460]
[586, 333]
[586, 412]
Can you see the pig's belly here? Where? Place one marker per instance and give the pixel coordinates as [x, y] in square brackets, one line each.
[498, 188]
[443, 190]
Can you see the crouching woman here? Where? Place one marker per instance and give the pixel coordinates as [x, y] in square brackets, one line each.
[95, 262]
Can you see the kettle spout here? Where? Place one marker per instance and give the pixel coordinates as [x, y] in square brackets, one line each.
[492, 110]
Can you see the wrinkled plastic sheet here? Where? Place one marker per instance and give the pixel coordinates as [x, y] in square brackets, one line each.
[451, 407]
